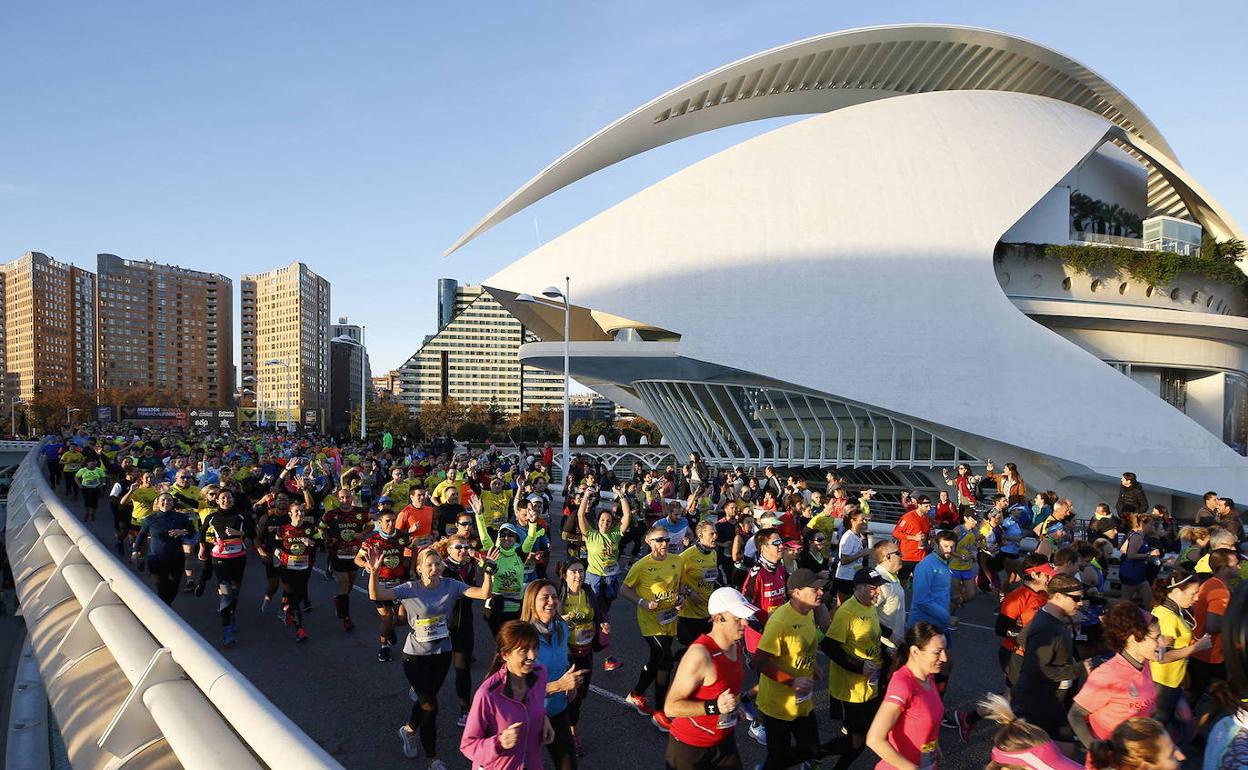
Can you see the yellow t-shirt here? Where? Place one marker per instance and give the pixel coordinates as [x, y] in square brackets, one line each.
[857, 627]
[580, 620]
[142, 499]
[1202, 566]
[1172, 626]
[497, 507]
[963, 557]
[397, 491]
[791, 638]
[659, 581]
[699, 572]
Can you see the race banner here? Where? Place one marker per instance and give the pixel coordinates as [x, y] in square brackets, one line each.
[154, 415]
[214, 418]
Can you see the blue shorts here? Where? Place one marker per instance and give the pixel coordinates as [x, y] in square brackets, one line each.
[964, 574]
[607, 588]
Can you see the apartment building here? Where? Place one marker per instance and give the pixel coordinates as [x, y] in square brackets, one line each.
[167, 327]
[49, 334]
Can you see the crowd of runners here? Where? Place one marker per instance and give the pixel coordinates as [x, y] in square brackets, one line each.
[751, 589]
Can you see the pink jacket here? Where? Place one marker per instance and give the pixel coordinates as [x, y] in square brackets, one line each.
[491, 713]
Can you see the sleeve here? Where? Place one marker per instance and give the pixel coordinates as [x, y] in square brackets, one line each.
[900, 690]
[770, 642]
[1218, 600]
[479, 741]
[404, 591]
[630, 579]
[901, 531]
[1097, 692]
[1047, 652]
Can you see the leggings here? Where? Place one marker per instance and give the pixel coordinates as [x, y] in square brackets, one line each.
[562, 752]
[462, 641]
[90, 498]
[580, 662]
[426, 673]
[495, 618]
[658, 669]
[295, 592]
[790, 742]
[229, 574]
[168, 576]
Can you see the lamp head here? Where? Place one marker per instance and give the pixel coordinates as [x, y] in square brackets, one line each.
[552, 293]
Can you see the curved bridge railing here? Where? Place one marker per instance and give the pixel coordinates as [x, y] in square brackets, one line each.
[129, 682]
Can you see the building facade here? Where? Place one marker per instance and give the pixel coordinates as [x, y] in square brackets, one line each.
[284, 332]
[345, 375]
[911, 327]
[166, 327]
[388, 386]
[474, 359]
[49, 326]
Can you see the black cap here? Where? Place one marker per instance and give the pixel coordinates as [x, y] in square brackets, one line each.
[869, 576]
[804, 578]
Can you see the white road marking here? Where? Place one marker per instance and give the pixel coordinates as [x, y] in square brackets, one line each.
[609, 695]
[354, 586]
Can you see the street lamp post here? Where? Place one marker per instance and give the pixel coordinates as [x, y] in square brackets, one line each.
[69, 411]
[259, 394]
[345, 340]
[290, 428]
[550, 292]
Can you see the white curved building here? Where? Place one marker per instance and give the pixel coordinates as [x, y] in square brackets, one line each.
[843, 292]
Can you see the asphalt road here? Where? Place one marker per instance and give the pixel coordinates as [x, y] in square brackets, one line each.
[336, 690]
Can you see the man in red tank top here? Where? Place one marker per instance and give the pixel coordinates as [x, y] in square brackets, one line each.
[702, 701]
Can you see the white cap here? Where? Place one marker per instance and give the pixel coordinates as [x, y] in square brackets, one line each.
[730, 600]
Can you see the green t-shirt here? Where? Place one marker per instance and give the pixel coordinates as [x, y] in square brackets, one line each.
[91, 478]
[603, 551]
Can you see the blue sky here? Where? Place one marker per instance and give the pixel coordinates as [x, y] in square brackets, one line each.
[364, 138]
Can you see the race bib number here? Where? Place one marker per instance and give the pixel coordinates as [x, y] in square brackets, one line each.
[668, 616]
[72, 467]
[387, 584]
[610, 569]
[297, 562]
[230, 547]
[582, 636]
[710, 575]
[432, 629]
[424, 542]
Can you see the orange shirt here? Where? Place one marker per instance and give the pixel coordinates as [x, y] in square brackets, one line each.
[1213, 597]
[417, 522]
[911, 524]
[1021, 604]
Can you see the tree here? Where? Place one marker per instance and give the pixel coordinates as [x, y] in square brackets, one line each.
[139, 397]
[476, 424]
[50, 406]
[637, 427]
[536, 424]
[437, 419]
[387, 416]
[592, 429]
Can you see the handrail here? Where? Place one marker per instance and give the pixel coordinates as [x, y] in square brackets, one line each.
[208, 712]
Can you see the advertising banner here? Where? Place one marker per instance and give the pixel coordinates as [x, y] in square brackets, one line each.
[154, 415]
[214, 418]
[105, 414]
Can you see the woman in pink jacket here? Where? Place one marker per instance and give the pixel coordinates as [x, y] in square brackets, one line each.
[507, 724]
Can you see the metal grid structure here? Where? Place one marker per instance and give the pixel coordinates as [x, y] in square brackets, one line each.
[731, 424]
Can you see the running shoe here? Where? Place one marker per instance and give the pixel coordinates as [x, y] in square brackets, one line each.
[463, 719]
[189, 586]
[199, 589]
[411, 746]
[963, 718]
[347, 625]
[577, 746]
[611, 663]
[949, 722]
[437, 764]
[301, 635]
[411, 694]
[660, 720]
[307, 605]
[759, 733]
[639, 702]
[228, 638]
[383, 654]
[264, 605]
[288, 618]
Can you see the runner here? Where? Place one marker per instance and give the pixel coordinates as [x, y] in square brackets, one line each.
[427, 601]
[764, 585]
[853, 644]
[295, 550]
[541, 608]
[912, 532]
[1122, 687]
[417, 519]
[653, 584]
[460, 556]
[343, 529]
[702, 701]
[508, 584]
[852, 554]
[165, 533]
[1175, 620]
[507, 724]
[785, 661]
[1020, 745]
[90, 479]
[391, 543]
[1049, 670]
[223, 538]
[602, 544]
[905, 731]
[582, 610]
[700, 577]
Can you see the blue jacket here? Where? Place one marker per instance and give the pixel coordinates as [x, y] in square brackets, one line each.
[932, 588]
[553, 655]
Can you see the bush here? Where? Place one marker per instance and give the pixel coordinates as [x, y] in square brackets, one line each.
[1156, 268]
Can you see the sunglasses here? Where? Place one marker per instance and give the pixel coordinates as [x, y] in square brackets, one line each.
[1075, 597]
[775, 542]
[660, 539]
[461, 547]
[463, 523]
[892, 553]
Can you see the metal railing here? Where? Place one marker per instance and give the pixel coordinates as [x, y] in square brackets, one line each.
[181, 690]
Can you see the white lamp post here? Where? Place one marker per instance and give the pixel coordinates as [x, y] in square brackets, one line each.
[69, 412]
[345, 340]
[290, 428]
[551, 292]
[259, 394]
